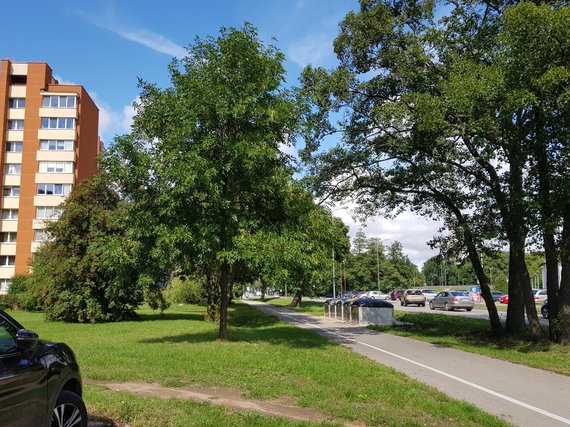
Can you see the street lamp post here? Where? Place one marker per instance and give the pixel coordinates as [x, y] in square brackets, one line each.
[377, 267]
[334, 281]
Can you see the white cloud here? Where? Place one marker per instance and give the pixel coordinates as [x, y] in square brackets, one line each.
[409, 229]
[112, 123]
[153, 41]
[62, 81]
[148, 38]
[315, 49]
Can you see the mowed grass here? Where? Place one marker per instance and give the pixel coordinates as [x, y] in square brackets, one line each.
[474, 335]
[265, 359]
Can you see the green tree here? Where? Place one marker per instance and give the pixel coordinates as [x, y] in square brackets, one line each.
[202, 163]
[439, 123]
[89, 270]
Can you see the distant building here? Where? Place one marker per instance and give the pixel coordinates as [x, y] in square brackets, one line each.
[49, 143]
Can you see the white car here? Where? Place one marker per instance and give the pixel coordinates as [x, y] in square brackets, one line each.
[540, 296]
[429, 294]
[376, 295]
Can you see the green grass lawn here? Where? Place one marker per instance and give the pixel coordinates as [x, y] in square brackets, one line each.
[265, 359]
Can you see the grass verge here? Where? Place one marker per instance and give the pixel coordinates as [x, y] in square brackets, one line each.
[265, 359]
[474, 335]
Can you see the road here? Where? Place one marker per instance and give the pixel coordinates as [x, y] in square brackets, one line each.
[518, 394]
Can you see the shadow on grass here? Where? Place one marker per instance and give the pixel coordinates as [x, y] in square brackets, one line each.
[250, 325]
[438, 329]
[153, 317]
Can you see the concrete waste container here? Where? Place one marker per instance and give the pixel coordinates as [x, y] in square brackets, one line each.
[374, 311]
[362, 311]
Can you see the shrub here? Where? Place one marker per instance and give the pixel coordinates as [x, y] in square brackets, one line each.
[188, 291]
[25, 294]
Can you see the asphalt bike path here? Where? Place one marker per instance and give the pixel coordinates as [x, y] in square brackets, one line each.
[519, 394]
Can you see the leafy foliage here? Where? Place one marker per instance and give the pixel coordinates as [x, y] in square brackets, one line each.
[202, 164]
[88, 271]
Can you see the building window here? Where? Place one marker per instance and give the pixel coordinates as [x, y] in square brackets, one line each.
[58, 101]
[10, 214]
[17, 103]
[54, 189]
[57, 123]
[12, 169]
[15, 125]
[48, 212]
[11, 191]
[7, 260]
[56, 145]
[40, 236]
[5, 285]
[8, 237]
[56, 167]
[14, 147]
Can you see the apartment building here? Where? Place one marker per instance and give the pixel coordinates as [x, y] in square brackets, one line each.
[49, 143]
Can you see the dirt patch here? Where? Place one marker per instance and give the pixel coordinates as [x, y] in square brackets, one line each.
[229, 398]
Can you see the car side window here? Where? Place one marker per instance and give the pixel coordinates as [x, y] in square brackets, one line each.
[7, 341]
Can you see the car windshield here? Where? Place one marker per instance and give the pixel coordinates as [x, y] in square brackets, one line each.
[459, 293]
[415, 293]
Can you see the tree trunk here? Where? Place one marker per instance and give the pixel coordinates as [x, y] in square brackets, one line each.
[224, 299]
[296, 302]
[484, 282]
[263, 288]
[548, 221]
[514, 220]
[212, 298]
[552, 283]
[520, 292]
[562, 321]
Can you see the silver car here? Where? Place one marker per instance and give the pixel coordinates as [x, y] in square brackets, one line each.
[451, 300]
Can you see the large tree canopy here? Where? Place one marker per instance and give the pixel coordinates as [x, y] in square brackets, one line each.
[202, 164]
[438, 115]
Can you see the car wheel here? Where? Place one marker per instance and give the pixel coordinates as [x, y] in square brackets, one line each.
[401, 302]
[405, 303]
[446, 307]
[468, 309]
[424, 304]
[431, 306]
[69, 411]
[544, 312]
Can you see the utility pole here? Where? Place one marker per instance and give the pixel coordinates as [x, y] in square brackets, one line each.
[334, 282]
[377, 267]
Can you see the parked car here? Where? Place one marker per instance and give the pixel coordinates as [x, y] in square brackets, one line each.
[451, 300]
[376, 295]
[429, 294]
[40, 383]
[395, 295]
[413, 296]
[540, 296]
[496, 295]
[504, 299]
[544, 309]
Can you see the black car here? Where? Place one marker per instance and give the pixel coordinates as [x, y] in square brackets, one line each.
[40, 385]
[544, 309]
[496, 295]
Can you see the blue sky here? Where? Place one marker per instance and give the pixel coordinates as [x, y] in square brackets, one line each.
[105, 45]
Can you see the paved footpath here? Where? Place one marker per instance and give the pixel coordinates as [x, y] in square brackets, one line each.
[518, 394]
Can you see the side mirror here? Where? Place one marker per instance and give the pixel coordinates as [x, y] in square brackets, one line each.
[26, 340]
